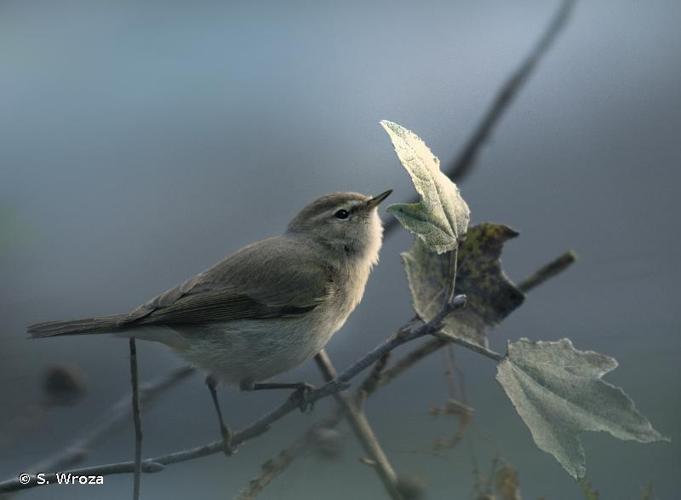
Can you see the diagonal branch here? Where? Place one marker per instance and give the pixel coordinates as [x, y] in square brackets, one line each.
[459, 169]
[539, 277]
[544, 273]
[410, 331]
[380, 376]
[406, 334]
[464, 162]
[274, 467]
[114, 419]
[362, 429]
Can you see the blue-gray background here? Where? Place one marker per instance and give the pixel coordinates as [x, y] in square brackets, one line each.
[142, 141]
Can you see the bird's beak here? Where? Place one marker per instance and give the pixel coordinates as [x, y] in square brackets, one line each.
[373, 202]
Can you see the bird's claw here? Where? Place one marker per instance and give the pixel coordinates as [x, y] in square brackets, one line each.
[227, 447]
[301, 396]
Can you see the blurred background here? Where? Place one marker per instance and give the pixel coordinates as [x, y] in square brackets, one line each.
[143, 141]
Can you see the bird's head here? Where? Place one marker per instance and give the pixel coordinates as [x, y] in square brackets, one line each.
[346, 223]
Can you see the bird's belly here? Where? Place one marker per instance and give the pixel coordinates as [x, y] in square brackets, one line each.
[253, 350]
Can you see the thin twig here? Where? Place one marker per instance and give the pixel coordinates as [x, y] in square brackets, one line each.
[556, 266]
[456, 404]
[451, 278]
[114, 419]
[469, 344]
[409, 360]
[255, 429]
[405, 334]
[464, 162]
[262, 425]
[271, 469]
[374, 378]
[464, 414]
[136, 418]
[277, 465]
[362, 429]
[452, 368]
[373, 383]
[540, 276]
[461, 166]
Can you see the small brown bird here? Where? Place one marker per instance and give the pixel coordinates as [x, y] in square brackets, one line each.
[266, 308]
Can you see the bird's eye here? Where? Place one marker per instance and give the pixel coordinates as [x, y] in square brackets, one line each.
[341, 214]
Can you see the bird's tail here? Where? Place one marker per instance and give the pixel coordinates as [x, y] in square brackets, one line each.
[85, 326]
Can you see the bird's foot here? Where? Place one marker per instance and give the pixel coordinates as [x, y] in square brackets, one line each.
[301, 396]
[227, 447]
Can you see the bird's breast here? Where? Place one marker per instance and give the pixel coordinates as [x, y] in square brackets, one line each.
[347, 294]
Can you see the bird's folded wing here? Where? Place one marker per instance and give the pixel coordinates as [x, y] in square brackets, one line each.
[274, 278]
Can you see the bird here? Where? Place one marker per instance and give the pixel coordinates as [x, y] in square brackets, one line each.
[264, 309]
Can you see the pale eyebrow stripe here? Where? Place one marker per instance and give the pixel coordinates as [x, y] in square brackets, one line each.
[354, 206]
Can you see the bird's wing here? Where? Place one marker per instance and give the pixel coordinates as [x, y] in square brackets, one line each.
[274, 278]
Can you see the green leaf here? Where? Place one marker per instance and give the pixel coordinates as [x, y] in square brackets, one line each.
[490, 295]
[442, 216]
[558, 392]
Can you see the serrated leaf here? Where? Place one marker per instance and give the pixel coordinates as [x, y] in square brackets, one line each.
[558, 391]
[442, 216]
[490, 295]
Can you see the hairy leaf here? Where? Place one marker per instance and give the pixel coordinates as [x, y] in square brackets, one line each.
[558, 392]
[490, 295]
[442, 216]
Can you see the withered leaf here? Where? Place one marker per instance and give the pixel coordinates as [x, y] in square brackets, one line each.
[491, 296]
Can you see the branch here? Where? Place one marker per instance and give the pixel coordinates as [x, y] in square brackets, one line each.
[113, 420]
[380, 376]
[407, 361]
[79, 449]
[274, 467]
[136, 418]
[539, 277]
[456, 405]
[262, 425]
[459, 169]
[371, 382]
[360, 425]
[464, 162]
[468, 344]
[553, 268]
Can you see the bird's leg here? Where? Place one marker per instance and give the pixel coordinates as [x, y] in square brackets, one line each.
[224, 430]
[301, 391]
